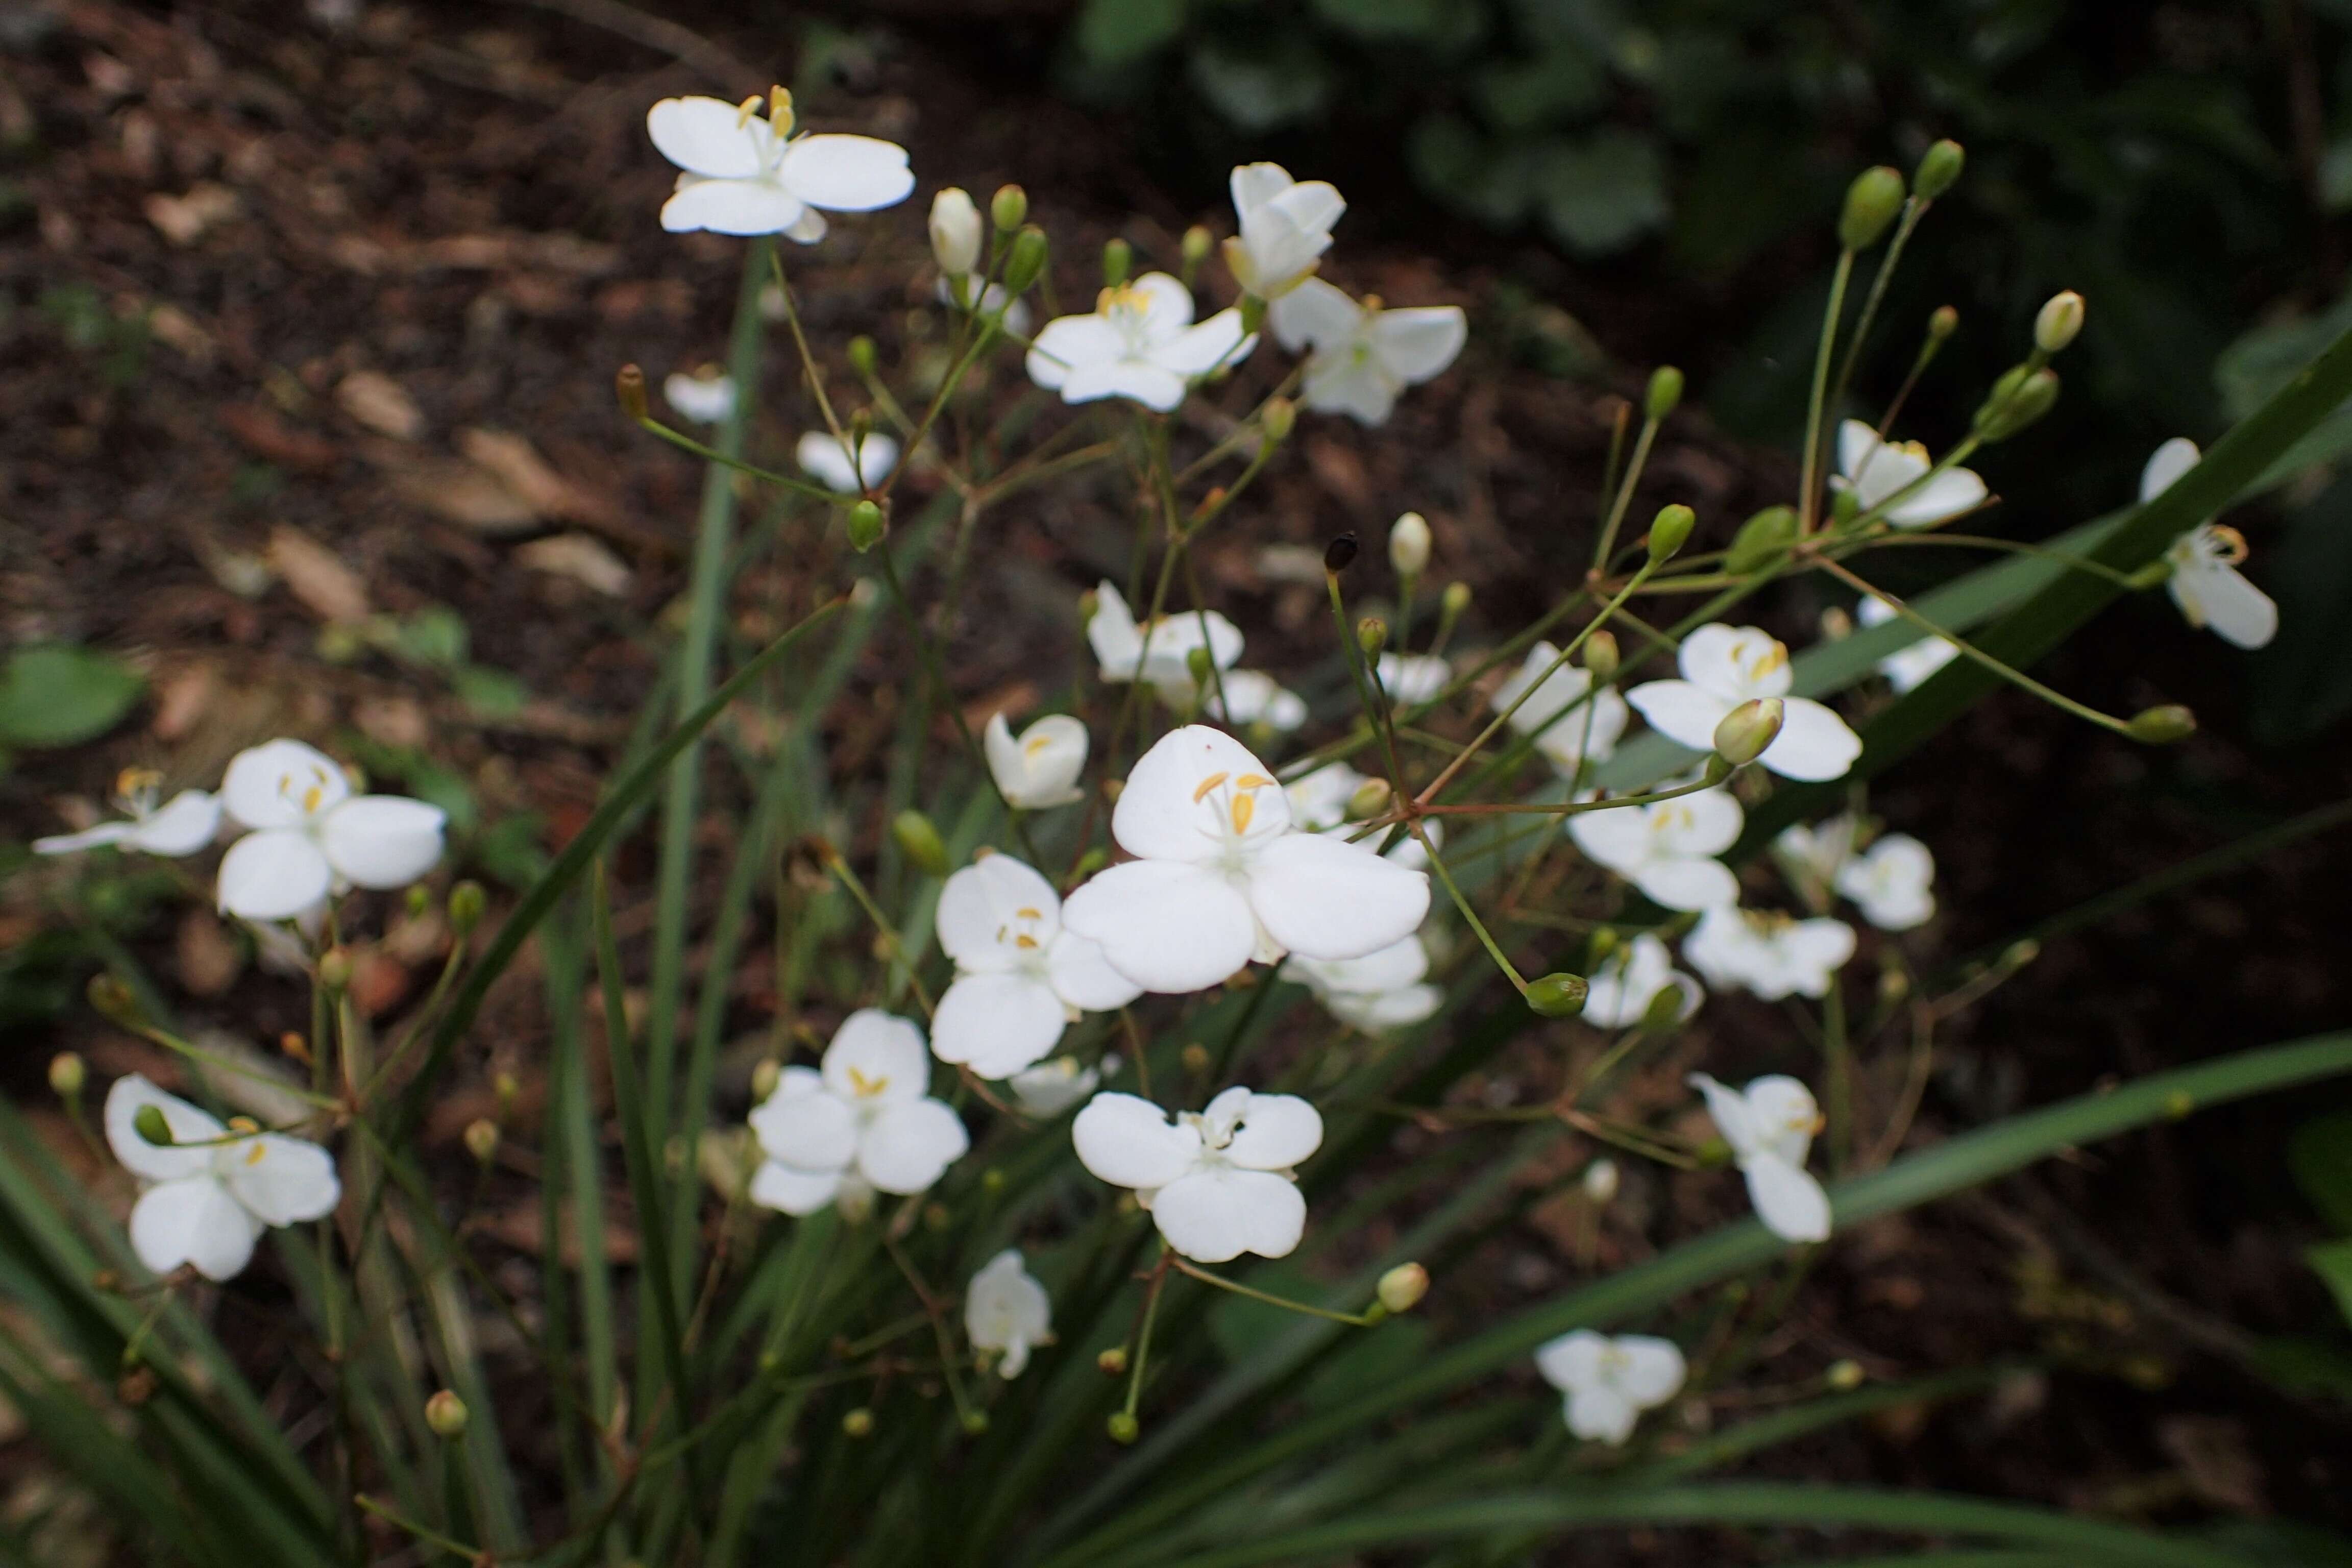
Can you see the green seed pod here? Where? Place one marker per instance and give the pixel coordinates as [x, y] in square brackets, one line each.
[1939, 169]
[467, 901]
[919, 840]
[1371, 799]
[867, 526]
[2162, 726]
[1601, 656]
[68, 1074]
[1557, 995]
[861, 355]
[1761, 540]
[1943, 323]
[1666, 391]
[1027, 264]
[1117, 257]
[1670, 530]
[1008, 208]
[1872, 202]
[1748, 730]
[335, 969]
[1279, 418]
[1401, 1287]
[857, 1422]
[149, 1123]
[1123, 1427]
[1371, 635]
[446, 1416]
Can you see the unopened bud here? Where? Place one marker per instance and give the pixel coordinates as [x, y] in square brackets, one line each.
[1198, 664]
[1371, 635]
[1942, 323]
[2058, 322]
[445, 1414]
[1600, 1181]
[1117, 257]
[1939, 167]
[629, 386]
[2029, 397]
[1748, 730]
[1008, 207]
[1602, 657]
[1341, 553]
[1371, 799]
[113, 998]
[467, 903]
[1837, 624]
[1457, 599]
[1557, 995]
[2161, 726]
[1844, 1376]
[1025, 263]
[975, 1422]
[335, 968]
[1195, 1057]
[857, 1422]
[1665, 1009]
[955, 231]
[1197, 240]
[149, 1123]
[919, 840]
[1670, 530]
[1665, 392]
[481, 1137]
[68, 1074]
[764, 1078]
[1113, 1361]
[1409, 544]
[867, 526]
[1870, 203]
[1401, 1287]
[862, 354]
[1279, 418]
[416, 901]
[1603, 942]
[1123, 1427]
[1762, 539]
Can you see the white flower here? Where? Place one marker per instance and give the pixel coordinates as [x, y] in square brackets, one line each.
[1666, 849]
[1285, 228]
[707, 397]
[1768, 954]
[310, 834]
[826, 459]
[1250, 696]
[1770, 1126]
[1140, 342]
[1007, 1311]
[1907, 667]
[1363, 357]
[1020, 977]
[2205, 582]
[991, 299]
[1589, 734]
[1892, 882]
[1600, 1181]
[213, 1190]
[1811, 857]
[1411, 679]
[1222, 878]
[1723, 667]
[863, 1124]
[1383, 990]
[1319, 804]
[956, 231]
[1218, 1182]
[1120, 646]
[1874, 470]
[1051, 1087]
[1623, 986]
[181, 825]
[1610, 1379]
[1041, 769]
[744, 175]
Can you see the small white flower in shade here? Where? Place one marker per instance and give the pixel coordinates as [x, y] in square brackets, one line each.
[1020, 977]
[181, 825]
[991, 299]
[1007, 1314]
[1285, 228]
[1383, 990]
[746, 174]
[862, 1125]
[1602, 1179]
[1041, 769]
[311, 834]
[1623, 986]
[826, 459]
[1222, 877]
[1140, 342]
[1770, 1126]
[2206, 582]
[1360, 358]
[1248, 697]
[1319, 804]
[1723, 667]
[707, 397]
[1892, 882]
[1569, 731]
[1053, 1087]
[1811, 857]
[1667, 848]
[1219, 1181]
[1163, 658]
[212, 1191]
[1411, 678]
[1610, 1379]
[1907, 667]
[1874, 470]
[1768, 954]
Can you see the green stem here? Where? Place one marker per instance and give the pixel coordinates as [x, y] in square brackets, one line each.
[1809, 493]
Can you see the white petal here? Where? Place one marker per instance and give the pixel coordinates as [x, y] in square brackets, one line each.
[804, 1125]
[1813, 744]
[826, 460]
[281, 1180]
[1051, 1087]
[1688, 882]
[1183, 796]
[1376, 1010]
[1855, 442]
[807, 228]
[2165, 466]
[1129, 1142]
[997, 1023]
[1949, 494]
[1166, 305]
[1418, 343]
[1813, 949]
[1138, 380]
[1680, 712]
[1399, 964]
[911, 1144]
[1597, 1413]
[1317, 314]
[1083, 977]
[188, 1124]
[1336, 384]
[273, 875]
[281, 784]
[710, 136]
[1167, 926]
[1729, 1109]
[876, 1057]
[381, 840]
[1041, 769]
[1322, 897]
[995, 912]
[703, 401]
[87, 838]
[1783, 1113]
[1254, 185]
[1573, 1360]
[1214, 1215]
[1276, 1133]
[1652, 1371]
[193, 1220]
[1790, 1203]
[847, 173]
[2236, 610]
[730, 207]
[1216, 342]
[791, 1192]
[1066, 342]
[184, 824]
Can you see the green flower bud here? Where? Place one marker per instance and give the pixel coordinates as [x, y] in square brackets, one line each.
[1748, 729]
[1279, 418]
[1008, 208]
[867, 526]
[1371, 799]
[1197, 240]
[857, 1422]
[629, 386]
[67, 1074]
[862, 354]
[2058, 322]
[1870, 203]
[2161, 726]
[1602, 657]
[1123, 1427]
[416, 901]
[481, 1137]
[1027, 263]
[764, 1078]
[1113, 1361]
[1557, 995]
[1195, 1057]
[1455, 600]
[1197, 664]
[1341, 553]
[1371, 635]
[1670, 530]
[149, 1123]
[2030, 397]
[1409, 544]
[1844, 1376]
[1664, 1010]
[975, 1422]
[335, 969]
[1600, 945]
[1940, 168]
[1117, 257]
[446, 1416]
[1666, 391]
[1401, 1287]
[1943, 323]
[1761, 540]
[919, 840]
[467, 903]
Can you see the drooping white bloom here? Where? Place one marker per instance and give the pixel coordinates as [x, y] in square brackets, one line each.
[1053, 1087]
[1285, 228]
[1623, 986]
[1667, 848]
[181, 825]
[1770, 1126]
[1007, 1311]
[310, 834]
[1892, 882]
[1041, 769]
[1874, 470]
[1569, 731]
[746, 174]
[1768, 953]
[707, 397]
[826, 459]
[1140, 342]
[1907, 667]
[1383, 990]
[1163, 653]
[1723, 667]
[956, 231]
[1610, 1379]
[1020, 977]
[1411, 678]
[1245, 696]
[1811, 857]
[213, 1189]
[1360, 357]
[1222, 877]
[862, 1125]
[1319, 802]
[1218, 1182]
[2206, 582]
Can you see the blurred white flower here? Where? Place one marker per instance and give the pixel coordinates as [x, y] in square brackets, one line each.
[1007, 1312]
[1409, 544]
[2206, 582]
[1360, 357]
[311, 834]
[213, 1189]
[1250, 696]
[1222, 877]
[826, 459]
[1219, 1181]
[1768, 954]
[1907, 667]
[991, 299]
[957, 230]
[181, 825]
[1120, 645]
[1892, 882]
[1874, 470]
[1286, 227]
[1140, 342]
[1811, 857]
[1600, 1181]
[1622, 985]
[1610, 1379]
[1383, 990]
[1723, 667]
[1770, 1126]
[745, 174]
[1041, 769]
[1667, 848]
[1020, 977]
[865, 1123]
[1411, 678]
[1568, 734]
[1053, 1087]
[707, 397]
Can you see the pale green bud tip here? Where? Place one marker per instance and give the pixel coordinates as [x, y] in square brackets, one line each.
[1371, 635]
[858, 1423]
[1664, 1010]
[1409, 544]
[1401, 1287]
[1670, 530]
[1117, 257]
[1844, 1376]
[1009, 207]
[445, 1414]
[1760, 540]
[919, 840]
[1197, 240]
[1457, 598]
[975, 1422]
[765, 1076]
[1939, 170]
[1870, 203]
[1279, 418]
[2018, 399]
[1027, 261]
[482, 1139]
[68, 1074]
[629, 386]
[1123, 1427]
[1943, 323]
[2060, 319]
[1600, 1181]
[862, 356]
[1197, 664]
[1665, 392]
[468, 900]
[1372, 798]
[1748, 730]
[867, 526]
[148, 1121]
[335, 968]
[1559, 995]
[1113, 1361]
[2161, 726]
[1601, 656]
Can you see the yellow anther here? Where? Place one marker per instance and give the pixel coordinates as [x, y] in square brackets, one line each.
[1915, 450]
[1118, 297]
[1201, 791]
[868, 1088]
[1244, 807]
[1029, 914]
[245, 1124]
[745, 110]
[1037, 744]
[1024, 941]
[780, 110]
[312, 796]
[1774, 659]
[1252, 781]
[130, 783]
[1370, 304]
[2229, 545]
[255, 1155]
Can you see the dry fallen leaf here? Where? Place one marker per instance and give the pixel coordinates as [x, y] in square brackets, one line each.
[261, 432]
[524, 471]
[317, 575]
[581, 558]
[381, 403]
[206, 959]
[464, 492]
[181, 699]
[183, 220]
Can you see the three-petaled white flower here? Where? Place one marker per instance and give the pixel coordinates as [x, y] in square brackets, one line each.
[1768, 953]
[1218, 1182]
[1020, 977]
[707, 397]
[312, 835]
[1892, 882]
[1007, 1312]
[1383, 990]
[1667, 848]
[1770, 1126]
[1220, 876]
[1723, 667]
[744, 175]
[1875, 470]
[1140, 342]
[1360, 357]
[861, 1125]
[1245, 696]
[1161, 653]
[1285, 228]
[1041, 769]
[1053, 1087]
[825, 457]
[213, 1189]
[181, 825]
[1411, 679]
[1907, 667]
[1624, 984]
[1569, 731]
[1609, 1380]
[2206, 582]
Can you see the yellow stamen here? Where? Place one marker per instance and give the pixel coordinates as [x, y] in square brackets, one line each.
[2230, 544]
[1244, 807]
[132, 782]
[1252, 781]
[780, 110]
[1201, 790]
[868, 1088]
[1024, 941]
[245, 1124]
[1118, 297]
[745, 110]
[1029, 914]
[255, 1155]
[1773, 660]
[1037, 744]
[1916, 450]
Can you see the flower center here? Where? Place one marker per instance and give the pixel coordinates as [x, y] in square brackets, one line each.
[868, 1088]
[1756, 662]
[307, 794]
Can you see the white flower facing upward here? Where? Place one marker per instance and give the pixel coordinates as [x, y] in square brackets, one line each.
[707, 397]
[1285, 228]
[311, 834]
[1381, 991]
[827, 459]
[1891, 882]
[1360, 357]
[1007, 1314]
[1723, 667]
[213, 1189]
[1767, 952]
[1140, 342]
[1770, 1126]
[1053, 1087]
[1020, 977]
[1219, 1181]
[1907, 667]
[1041, 769]
[1623, 986]
[1569, 732]
[2206, 582]
[1609, 1380]
[181, 825]
[1667, 848]
[863, 1123]
[1161, 653]
[744, 175]
[1874, 470]
[1243, 697]
[1221, 875]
